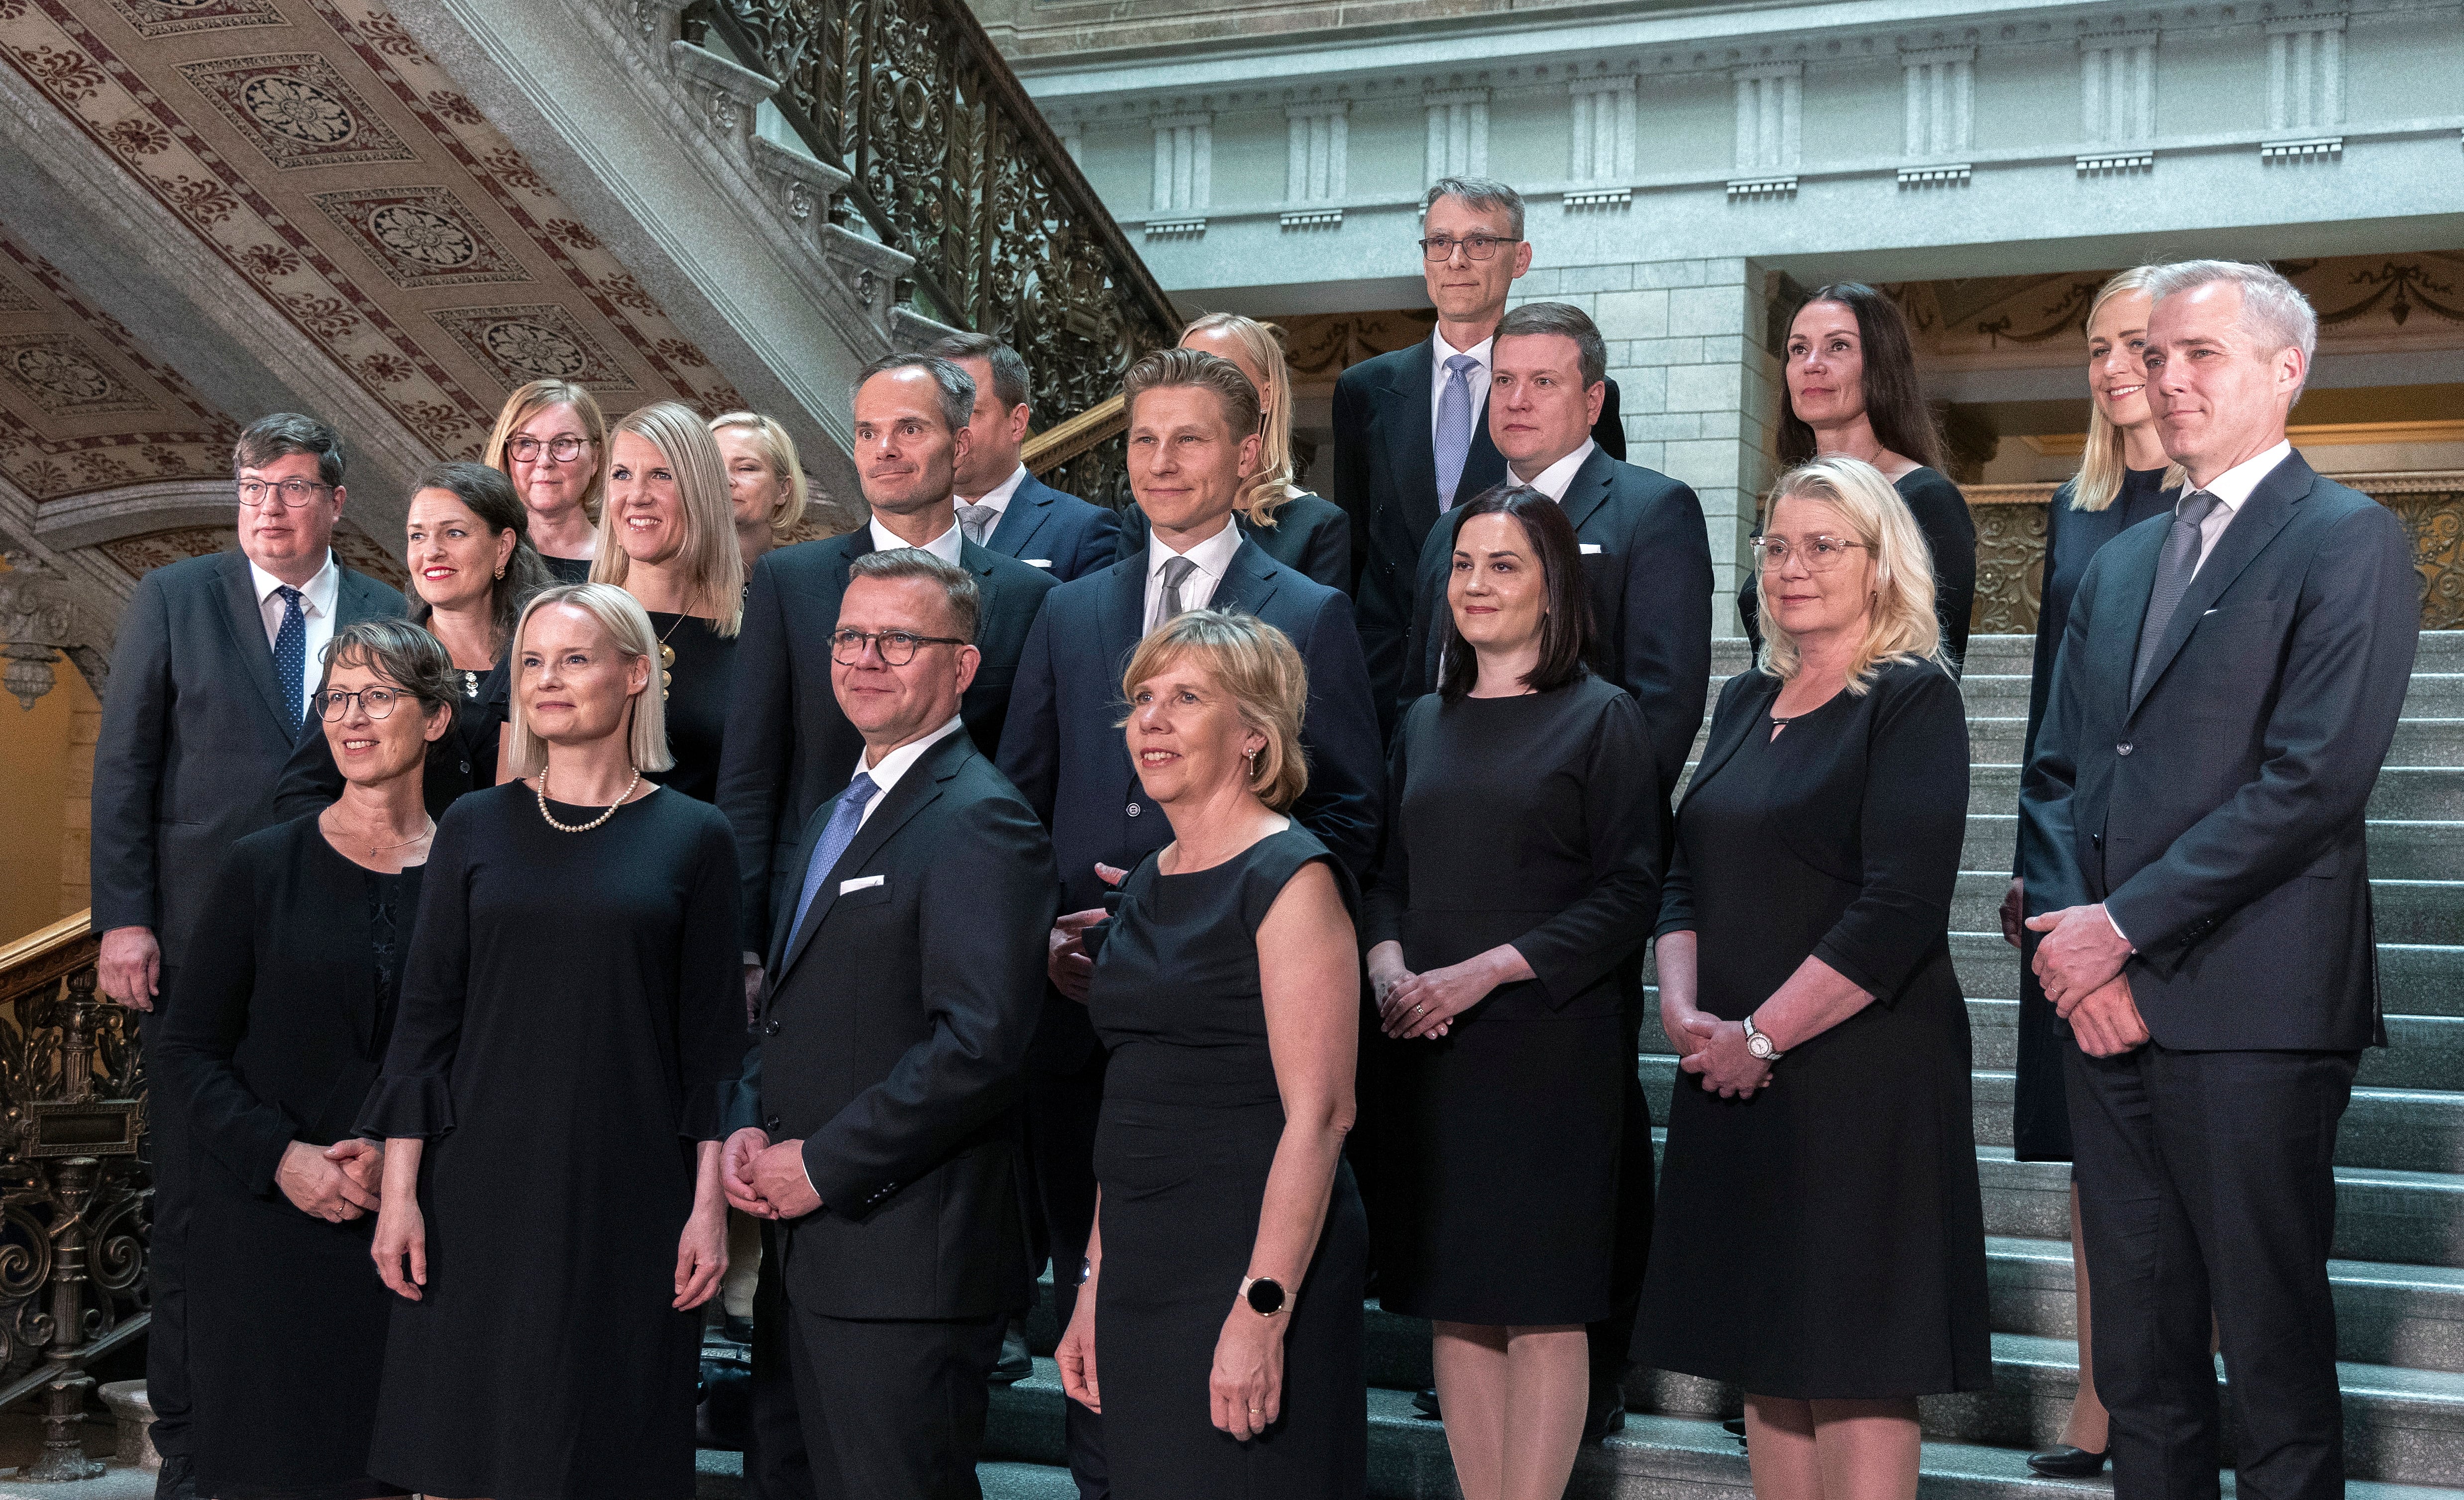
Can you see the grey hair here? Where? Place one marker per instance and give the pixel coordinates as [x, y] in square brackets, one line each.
[1479, 193]
[1009, 370]
[287, 432]
[958, 591]
[957, 386]
[1572, 321]
[2272, 307]
[397, 651]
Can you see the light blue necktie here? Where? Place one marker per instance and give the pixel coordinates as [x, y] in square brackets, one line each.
[1454, 427]
[291, 655]
[840, 832]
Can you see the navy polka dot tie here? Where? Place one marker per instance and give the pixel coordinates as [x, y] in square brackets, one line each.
[291, 655]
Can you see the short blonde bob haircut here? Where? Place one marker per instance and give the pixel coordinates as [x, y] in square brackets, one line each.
[529, 401]
[1900, 624]
[714, 565]
[779, 450]
[1264, 492]
[629, 629]
[1256, 664]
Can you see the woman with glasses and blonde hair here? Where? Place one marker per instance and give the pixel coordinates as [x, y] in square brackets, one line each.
[551, 440]
[667, 535]
[767, 492]
[1821, 1244]
[1305, 532]
[552, 1098]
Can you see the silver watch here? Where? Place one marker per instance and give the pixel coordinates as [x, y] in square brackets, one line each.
[1759, 1043]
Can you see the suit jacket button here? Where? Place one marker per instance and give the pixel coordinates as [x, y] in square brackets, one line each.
[2122, 748]
[1132, 809]
[773, 1124]
[770, 1029]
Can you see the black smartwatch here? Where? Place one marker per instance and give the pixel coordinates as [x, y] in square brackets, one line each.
[1263, 1293]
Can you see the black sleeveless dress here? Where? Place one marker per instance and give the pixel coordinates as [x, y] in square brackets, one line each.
[1191, 1120]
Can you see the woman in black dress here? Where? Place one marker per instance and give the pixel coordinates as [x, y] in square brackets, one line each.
[667, 535]
[1822, 1244]
[552, 1099]
[551, 440]
[1852, 390]
[2121, 481]
[1221, 1342]
[285, 1010]
[1506, 921]
[471, 571]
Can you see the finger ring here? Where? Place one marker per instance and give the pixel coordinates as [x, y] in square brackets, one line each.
[1416, 1009]
[1254, 1410]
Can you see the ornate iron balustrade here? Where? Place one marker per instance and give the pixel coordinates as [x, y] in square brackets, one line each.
[952, 163]
[73, 1195]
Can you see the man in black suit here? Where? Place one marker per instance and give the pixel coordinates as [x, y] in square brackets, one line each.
[999, 504]
[905, 976]
[1648, 559]
[2193, 846]
[209, 685]
[1411, 439]
[1193, 434]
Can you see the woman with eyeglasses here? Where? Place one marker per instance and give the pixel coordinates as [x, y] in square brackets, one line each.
[551, 440]
[286, 1007]
[471, 570]
[1820, 1238]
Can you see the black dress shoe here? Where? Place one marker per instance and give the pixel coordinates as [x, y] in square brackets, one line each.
[1425, 1403]
[736, 1330]
[176, 1480]
[1607, 1413]
[1016, 1361]
[1735, 1427]
[2068, 1463]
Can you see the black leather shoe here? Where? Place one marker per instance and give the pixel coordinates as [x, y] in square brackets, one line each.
[2068, 1463]
[736, 1330]
[1607, 1413]
[1735, 1427]
[1425, 1403]
[1017, 1362]
[176, 1480]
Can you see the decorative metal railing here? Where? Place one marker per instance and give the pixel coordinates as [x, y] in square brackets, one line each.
[73, 1194]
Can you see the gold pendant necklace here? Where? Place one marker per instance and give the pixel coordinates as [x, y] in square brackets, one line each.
[668, 659]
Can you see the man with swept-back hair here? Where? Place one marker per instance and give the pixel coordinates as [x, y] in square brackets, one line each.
[2192, 841]
[999, 504]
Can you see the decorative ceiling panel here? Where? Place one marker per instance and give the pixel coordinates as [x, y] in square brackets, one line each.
[318, 150]
[140, 555]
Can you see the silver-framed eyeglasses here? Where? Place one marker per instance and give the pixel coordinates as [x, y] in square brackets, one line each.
[335, 703]
[1440, 248]
[561, 450]
[898, 648]
[292, 492]
[1819, 554]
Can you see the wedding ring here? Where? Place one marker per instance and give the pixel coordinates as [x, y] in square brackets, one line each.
[1416, 1009]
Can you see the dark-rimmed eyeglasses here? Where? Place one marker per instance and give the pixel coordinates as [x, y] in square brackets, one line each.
[335, 703]
[1819, 554]
[897, 647]
[292, 492]
[563, 449]
[1440, 248]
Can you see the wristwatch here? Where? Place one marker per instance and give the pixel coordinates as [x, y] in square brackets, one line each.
[1759, 1043]
[1086, 1270]
[1264, 1296]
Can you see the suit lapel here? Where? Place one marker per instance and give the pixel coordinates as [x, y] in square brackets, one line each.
[242, 617]
[1030, 505]
[1248, 580]
[2247, 535]
[1124, 615]
[1732, 735]
[1410, 455]
[1590, 488]
[1484, 465]
[357, 598]
[916, 791]
[982, 562]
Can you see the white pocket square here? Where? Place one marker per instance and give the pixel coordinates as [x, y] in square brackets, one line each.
[1588, 547]
[1037, 561]
[861, 883]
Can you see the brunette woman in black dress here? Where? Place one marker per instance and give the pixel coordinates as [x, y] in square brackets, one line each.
[1506, 918]
[667, 535]
[551, 441]
[1821, 1242]
[1219, 1330]
[285, 1010]
[471, 571]
[552, 1099]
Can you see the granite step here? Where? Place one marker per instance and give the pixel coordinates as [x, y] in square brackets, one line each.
[1997, 655]
[2403, 910]
[2399, 850]
[1997, 738]
[2414, 979]
[2402, 793]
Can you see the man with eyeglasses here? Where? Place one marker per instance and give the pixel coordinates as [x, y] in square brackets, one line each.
[1411, 428]
[216, 660]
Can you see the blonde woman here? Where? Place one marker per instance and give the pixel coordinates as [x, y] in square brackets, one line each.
[551, 1097]
[2123, 480]
[1821, 1244]
[1305, 532]
[767, 492]
[551, 440]
[667, 535]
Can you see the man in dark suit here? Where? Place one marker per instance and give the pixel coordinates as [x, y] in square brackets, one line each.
[1411, 439]
[999, 504]
[210, 686]
[2193, 846]
[1193, 434]
[905, 976]
[1648, 559]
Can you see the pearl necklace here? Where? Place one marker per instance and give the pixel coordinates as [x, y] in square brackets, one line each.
[583, 827]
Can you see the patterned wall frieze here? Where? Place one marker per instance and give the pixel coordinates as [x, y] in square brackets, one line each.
[1601, 134]
[1318, 162]
[1940, 101]
[1185, 157]
[1458, 133]
[1770, 105]
[2305, 71]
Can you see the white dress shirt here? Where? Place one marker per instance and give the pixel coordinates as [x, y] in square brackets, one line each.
[1197, 590]
[2231, 489]
[1478, 378]
[896, 762]
[317, 601]
[999, 495]
[1553, 481]
[944, 546]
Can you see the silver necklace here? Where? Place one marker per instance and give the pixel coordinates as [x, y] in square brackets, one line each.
[583, 827]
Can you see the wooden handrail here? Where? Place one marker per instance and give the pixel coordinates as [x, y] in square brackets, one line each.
[1063, 441]
[46, 954]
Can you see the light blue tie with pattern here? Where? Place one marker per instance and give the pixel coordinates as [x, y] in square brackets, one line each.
[840, 832]
[1454, 427]
[291, 655]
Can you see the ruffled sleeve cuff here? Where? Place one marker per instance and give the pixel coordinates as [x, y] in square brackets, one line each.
[716, 1111]
[408, 1106]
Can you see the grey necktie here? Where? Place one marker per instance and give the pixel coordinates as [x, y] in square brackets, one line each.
[978, 521]
[1176, 572]
[2174, 571]
[1454, 427]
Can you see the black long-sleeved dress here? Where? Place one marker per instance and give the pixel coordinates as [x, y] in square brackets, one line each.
[697, 686]
[1529, 821]
[1826, 1237]
[571, 1017]
[285, 1009]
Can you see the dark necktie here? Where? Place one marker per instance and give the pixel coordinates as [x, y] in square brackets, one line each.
[836, 835]
[291, 655]
[2174, 571]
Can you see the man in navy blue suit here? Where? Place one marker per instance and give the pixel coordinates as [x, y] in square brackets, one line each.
[1193, 434]
[1002, 506]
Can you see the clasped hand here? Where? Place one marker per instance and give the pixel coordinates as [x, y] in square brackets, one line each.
[1065, 961]
[766, 1181]
[1718, 1053]
[337, 1183]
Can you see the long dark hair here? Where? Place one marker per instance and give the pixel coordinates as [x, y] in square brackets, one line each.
[1566, 621]
[1894, 404]
[491, 498]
